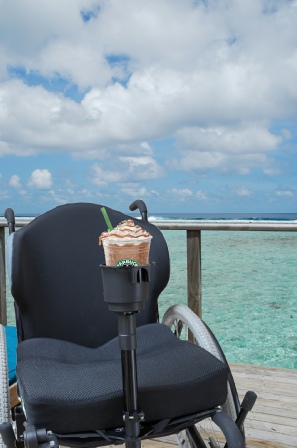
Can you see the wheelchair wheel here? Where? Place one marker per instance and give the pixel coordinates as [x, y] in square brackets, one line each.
[4, 389]
[187, 325]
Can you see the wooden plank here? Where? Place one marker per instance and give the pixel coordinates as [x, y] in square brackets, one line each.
[154, 444]
[285, 420]
[278, 426]
[285, 384]
[223, 225]
[275, 390]
[194, 271]
[263, 370]
[278, 412]
[286, 381]
[273, 421]
[14, 399]
[274, 405]
[244, 369]
[261, 440]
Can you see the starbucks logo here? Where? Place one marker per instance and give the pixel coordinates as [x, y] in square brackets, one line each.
[127, 262]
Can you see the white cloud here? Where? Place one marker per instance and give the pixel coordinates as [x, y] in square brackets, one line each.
[15, 181]
[180, 194]
[225, 149]
[44, 120]
[206, 75]
[287, 193]
[243, 191]
[75, 63]
[146, 149]
[103, 177]
[41, 179]
[127, 169]
[134, 190]
[154, 192]
[53, 40]
[201, 195]
[242, 139]
[272, 171]
[4, 195]
[143, 167]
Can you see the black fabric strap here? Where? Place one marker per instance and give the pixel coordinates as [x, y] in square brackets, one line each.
[85, 435]
[160, 426]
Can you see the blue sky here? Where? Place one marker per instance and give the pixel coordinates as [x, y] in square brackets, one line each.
[188, 105]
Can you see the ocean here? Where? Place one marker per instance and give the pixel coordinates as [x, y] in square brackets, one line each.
[249, 287]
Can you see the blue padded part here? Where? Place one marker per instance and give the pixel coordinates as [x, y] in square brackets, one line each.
[11, 344]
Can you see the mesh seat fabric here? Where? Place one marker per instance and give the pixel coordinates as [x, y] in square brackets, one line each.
[68, 388]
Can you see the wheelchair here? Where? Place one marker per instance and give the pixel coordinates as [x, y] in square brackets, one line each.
[95, 366]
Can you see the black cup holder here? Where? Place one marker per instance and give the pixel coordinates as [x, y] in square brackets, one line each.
[126, 288]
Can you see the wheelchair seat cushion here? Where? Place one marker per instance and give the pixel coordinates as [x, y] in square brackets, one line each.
[69, 388]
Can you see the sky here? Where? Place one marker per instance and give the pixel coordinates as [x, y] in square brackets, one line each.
[188, 105]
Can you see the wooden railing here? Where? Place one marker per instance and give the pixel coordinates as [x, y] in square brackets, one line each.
[3, 304]
[193, 231]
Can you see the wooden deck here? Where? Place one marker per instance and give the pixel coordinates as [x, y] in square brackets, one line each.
[273, 421]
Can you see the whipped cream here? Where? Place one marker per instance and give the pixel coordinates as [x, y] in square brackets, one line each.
[124, 232]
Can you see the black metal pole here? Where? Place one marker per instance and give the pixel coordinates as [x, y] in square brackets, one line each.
[126, 289]
[129, 380]
[132, 414]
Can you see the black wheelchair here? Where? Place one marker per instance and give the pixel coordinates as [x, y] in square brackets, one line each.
[95, 366]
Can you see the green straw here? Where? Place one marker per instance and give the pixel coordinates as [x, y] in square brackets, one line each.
[106, 217]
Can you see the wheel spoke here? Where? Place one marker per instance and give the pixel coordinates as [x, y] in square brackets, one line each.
[184, 323]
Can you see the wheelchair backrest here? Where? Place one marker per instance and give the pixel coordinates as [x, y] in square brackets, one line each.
[56, 280]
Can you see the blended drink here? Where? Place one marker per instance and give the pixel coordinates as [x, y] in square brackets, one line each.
[126, 245]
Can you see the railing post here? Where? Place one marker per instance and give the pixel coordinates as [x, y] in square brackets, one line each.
[3, 309]
[194, 271]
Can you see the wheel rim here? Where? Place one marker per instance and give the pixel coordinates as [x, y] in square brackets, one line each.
[187, 326]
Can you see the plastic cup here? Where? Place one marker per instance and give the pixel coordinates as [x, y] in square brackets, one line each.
[126, 251]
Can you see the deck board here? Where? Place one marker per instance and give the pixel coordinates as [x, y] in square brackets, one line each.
[273, 421]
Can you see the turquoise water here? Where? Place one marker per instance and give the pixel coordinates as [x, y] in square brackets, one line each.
[249, 292]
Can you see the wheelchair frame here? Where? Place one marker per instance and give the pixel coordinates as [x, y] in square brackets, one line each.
[135, 429]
